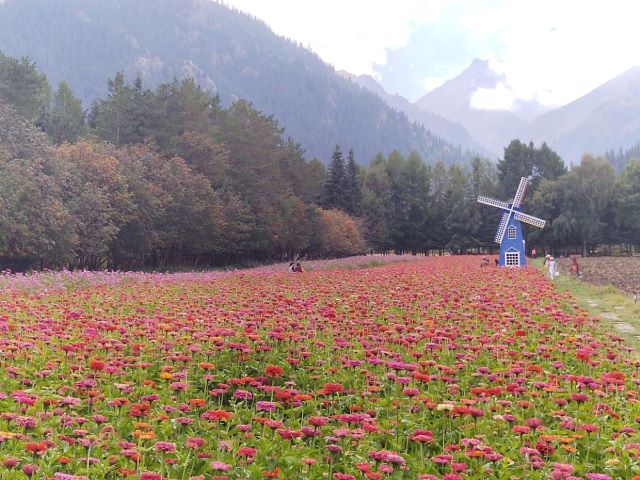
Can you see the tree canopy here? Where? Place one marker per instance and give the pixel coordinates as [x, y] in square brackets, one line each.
[154, 178]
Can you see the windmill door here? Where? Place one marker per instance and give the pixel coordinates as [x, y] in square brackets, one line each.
[512, 258]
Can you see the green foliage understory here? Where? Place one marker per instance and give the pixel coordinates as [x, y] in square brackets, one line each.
[153, 178]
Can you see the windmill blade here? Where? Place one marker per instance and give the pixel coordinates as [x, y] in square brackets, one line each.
[520, 193]
[531, 220]
[493, 202]
[502, 227]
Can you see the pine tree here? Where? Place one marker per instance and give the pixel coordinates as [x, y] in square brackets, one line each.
[334, 188]
[65, 120]
[353, 189]
[24, 87]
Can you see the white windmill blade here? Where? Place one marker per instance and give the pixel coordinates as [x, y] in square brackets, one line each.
[502, 227]
[530, 219]
[493, 202]
[520, 193]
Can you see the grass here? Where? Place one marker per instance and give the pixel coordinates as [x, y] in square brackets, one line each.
[601, 301]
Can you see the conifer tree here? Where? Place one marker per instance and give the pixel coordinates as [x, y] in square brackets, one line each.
[353, 189]
[65, 120]
[334, 187]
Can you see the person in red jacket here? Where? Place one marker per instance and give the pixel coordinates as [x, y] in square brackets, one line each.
[575, 268]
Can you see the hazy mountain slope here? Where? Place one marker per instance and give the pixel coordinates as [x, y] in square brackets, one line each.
[452, 131]
[86, 41]
[493, 129]
[607, 117]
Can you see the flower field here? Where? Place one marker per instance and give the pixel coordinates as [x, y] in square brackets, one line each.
[432, 369]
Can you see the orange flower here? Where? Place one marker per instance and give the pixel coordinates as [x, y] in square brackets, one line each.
[476, 454]
[275, 473]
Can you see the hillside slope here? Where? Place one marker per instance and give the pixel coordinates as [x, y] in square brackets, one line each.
[86, 41]
[493, 129]
[454, 132]
[606, 118]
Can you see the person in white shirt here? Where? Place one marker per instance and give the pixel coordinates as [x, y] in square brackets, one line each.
[552, 268]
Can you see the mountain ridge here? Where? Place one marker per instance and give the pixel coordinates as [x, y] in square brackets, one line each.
[453, 131]
[85, 42]
[595, 123]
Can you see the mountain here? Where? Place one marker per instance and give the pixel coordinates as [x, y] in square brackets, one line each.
[230, 53]
[606, 118]
[493, 129]
[452, 131]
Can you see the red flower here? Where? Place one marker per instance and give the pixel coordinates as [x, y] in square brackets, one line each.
[273, 371]
[216, 415]
[330, 388]
[36, 448]
[97, 365]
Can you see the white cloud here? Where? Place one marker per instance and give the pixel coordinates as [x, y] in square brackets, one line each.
[351, 35]
[553, 51]
[557, 51]
[501, 97]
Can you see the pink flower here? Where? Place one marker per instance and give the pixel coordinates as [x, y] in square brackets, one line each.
[223, 467]
[30, 469]
[165, 447]
[150, 476]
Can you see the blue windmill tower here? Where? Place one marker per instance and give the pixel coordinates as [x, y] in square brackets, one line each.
[509, 234]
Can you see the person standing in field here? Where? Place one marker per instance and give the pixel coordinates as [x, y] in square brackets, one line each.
[575, 268]
[551, 264]
[533, 253]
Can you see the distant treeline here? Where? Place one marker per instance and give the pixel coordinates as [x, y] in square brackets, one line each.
[149, 179]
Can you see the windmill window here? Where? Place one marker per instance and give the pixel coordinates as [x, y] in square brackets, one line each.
[512, 233]
[512, 259]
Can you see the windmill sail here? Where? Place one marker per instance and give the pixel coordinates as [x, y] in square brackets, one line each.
[531, 220]
[520, 193]
[502, 227]
[493, 202]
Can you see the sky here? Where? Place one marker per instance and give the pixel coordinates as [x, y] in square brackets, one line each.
[549, 51]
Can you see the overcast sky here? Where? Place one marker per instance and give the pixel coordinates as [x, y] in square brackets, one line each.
[550, 50]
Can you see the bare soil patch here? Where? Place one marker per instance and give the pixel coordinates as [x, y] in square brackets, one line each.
[621, 272]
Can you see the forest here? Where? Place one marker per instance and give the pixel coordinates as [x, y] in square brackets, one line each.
[150, 179]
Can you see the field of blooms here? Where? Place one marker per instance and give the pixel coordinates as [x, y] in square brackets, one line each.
[431, 369]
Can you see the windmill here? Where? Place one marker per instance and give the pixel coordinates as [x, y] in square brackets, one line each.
[509, 234]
